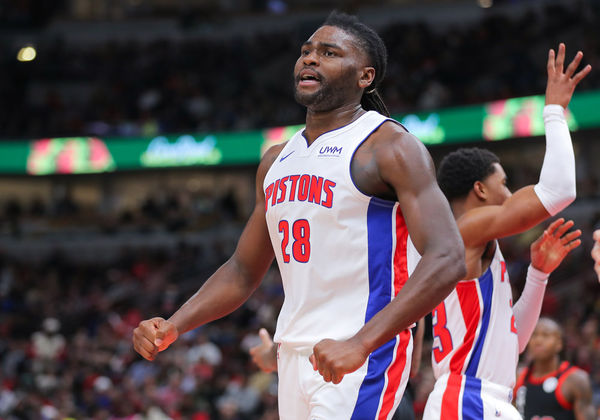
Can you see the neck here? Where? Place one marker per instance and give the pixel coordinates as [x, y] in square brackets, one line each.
[543, 367]
[319, 122]
[462, 205]
[458, 208]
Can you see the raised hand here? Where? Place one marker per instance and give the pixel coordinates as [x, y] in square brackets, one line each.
[561, 84]
[550, 249]
[334, 359]
[596, 252]
[265, 354]
[153, 336]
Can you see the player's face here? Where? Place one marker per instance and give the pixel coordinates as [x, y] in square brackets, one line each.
[495, 184]
[327, 72]
[545, 342]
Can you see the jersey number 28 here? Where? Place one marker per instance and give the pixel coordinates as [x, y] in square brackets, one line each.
[301, 240]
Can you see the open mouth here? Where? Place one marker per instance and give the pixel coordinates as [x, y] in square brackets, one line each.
[308, 78]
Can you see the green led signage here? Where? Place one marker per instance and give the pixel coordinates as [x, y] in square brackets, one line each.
[498, 120]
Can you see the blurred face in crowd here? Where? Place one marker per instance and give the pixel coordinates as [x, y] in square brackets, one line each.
[497, 191]
[546, 340]
[327, 73]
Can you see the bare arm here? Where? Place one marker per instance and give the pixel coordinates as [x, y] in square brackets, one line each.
[577, 388]
[405, 166]
[227, 289]
[556, 189]
[522, 211]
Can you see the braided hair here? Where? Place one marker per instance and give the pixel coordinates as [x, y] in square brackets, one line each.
[460, 169]
[373, 46]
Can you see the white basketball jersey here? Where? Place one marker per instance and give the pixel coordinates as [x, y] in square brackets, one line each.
[343, 255]
[474, 328]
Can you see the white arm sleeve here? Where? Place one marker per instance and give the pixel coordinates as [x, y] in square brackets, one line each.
[556, 187]
[527, 309]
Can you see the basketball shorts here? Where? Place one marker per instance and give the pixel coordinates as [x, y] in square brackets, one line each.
[372, 392]
[460, 397]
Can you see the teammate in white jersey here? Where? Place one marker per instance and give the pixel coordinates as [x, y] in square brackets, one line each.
[336, 205]
[478, 334]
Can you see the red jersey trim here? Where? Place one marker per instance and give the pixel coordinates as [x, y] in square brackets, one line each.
[559, 395]
[540, 380]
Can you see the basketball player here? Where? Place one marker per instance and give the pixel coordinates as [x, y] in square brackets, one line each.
[335, 205]
[596, 252]
[549, 389]
[477, 333]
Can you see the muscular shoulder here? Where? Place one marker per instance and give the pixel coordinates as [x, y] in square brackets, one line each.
[577, 385]
[387, 159]
[391, 140]
[578, 378]
[400, 155]
[394, 148]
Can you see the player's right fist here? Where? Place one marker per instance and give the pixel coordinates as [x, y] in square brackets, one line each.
[153, 336]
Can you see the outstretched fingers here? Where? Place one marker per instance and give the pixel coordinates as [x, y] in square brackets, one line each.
[563, 228]
[554, 226]
[574, 64]
[560, 58]
[581, 74]
[551, 61]
[571, 236]
[572, 245]
[577, 77]
[556, 63]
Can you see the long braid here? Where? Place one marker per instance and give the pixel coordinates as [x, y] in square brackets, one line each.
[373, 45]
[372, 100]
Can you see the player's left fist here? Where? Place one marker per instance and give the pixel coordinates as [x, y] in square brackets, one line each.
[334, 359]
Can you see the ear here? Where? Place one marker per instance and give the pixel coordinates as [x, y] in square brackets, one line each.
[366, 77]
[480, 190]
[559, 346]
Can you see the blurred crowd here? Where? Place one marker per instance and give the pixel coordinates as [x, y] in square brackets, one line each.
[166, 210]
[65, 343]
[130, 88]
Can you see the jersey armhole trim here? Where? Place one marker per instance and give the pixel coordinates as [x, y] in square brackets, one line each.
[559, 395]
[354, 189]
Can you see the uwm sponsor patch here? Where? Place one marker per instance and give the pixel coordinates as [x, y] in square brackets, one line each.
[310, 188]
[330, 151]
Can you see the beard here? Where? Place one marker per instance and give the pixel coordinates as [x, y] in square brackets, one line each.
[328, 96]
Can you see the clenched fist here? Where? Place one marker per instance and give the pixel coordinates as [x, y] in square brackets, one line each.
[153, 336]
[334, 359]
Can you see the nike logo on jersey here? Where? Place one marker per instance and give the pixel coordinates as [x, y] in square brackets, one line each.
[281, 160]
